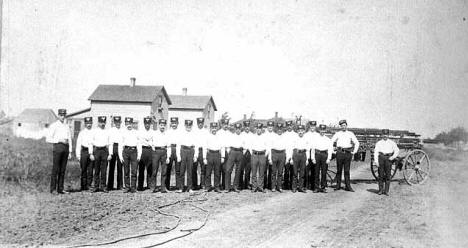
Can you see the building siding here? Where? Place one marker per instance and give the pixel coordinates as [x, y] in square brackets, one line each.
[136, 110]
[185, 114]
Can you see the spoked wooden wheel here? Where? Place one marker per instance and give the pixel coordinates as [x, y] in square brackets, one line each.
[416, 167]
[375, 169]
[331, 176]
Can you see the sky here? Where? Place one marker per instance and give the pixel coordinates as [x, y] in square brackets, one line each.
[383, 64]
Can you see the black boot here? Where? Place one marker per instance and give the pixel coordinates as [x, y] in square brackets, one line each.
[381, 188]
[387, 187]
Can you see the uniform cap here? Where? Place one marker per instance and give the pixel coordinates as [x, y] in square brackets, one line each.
[147, 120]
[62, 112]
[188, 122]
[246, 123]
[88, 120]
[342, 122]
[237, 125]
[279, 125]
[225, 121]
[214, 125]
[162, 121]
[200, 120]
[385, 131]
[270, 123]
[300, 127]
[128, 120]
[174, 120]
[322, 127]
[102, 119]
[312, 123]
[259, 125]
[117, 119]
[288, 123]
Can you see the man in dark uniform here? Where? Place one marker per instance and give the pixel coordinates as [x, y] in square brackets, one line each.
[345, 140]
[188, 145]
[386, 150]
[200, 134]
[160, 155]
[82, 154]
[310, 170]
[115, 138]
[235, 156]
[223, 135]
[130, 153]
[279, 145]
[173, 160]
[100, 145]
[246, 168]
[288, 168]
[145, 137]
[269, 136]
[214, 148]
[322, 149]
[61, 138]
[300, 156]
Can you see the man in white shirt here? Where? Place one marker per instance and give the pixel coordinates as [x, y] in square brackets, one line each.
[278, 146]
[174, 160]
[130, 153]
[385, 151]
[310, 167]
[61, 138]
[214, 156]
[235, 145]
[259, 148]
[224, 134]
[82, 153]
[246, 166]
[161, 155]
[300, 155]
[115, 139]
[100, 145]
[187, 148]
[322, 149]
[269, 136]
[200, 132]
[347, 145]
[145, 138]
[288, 168]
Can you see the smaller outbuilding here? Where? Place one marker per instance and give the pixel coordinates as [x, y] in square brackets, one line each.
[33, 123]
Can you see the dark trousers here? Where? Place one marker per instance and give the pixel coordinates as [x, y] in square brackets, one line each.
[299, 166]
[385, 171]
[202, 170]
[112, 164]
[321, 168]
[287, 176]
[223, 170]
[267, 174]
[186, 163]
[258, 163]
[213, 160]
[278, 159]
[86, 169]
[245, 171]
[159, 158]
[130, 166]
[100, 172]
[343, 161]
[172, 161]
[59, 164]
[234, 158]
[309, 175]
[145, 164]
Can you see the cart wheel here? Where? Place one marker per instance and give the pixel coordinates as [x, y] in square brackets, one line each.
[331, 176]
[375, 169]
[416, 167]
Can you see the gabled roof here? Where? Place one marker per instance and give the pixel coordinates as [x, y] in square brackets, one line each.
[79, 112]
[37, 115]
[191, 102]
[125, 93]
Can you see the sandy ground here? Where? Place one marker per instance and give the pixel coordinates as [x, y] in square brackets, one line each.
[429, 215]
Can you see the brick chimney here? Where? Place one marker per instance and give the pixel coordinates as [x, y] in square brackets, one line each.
[245, 116]
[184, 91]
[132, 81]
[276, 115]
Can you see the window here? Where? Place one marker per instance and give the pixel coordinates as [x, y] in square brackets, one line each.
[46, 125]
[19, 124]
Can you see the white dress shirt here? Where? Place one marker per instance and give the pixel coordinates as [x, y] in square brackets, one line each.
[100, 137]
[322, 143]
[115, 135]
[346, 139]
[84, 139]
[301, 144]
[161, 139]
[212, 142]
[130, 138]
[258, 143]
[145, 137]
[59, 132]
[186, 139]
[386, 146]
[173, 135]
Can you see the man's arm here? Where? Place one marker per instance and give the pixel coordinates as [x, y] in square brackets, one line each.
[356, 143]
[376, 153]
[396, 151]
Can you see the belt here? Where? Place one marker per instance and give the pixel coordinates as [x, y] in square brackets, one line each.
[160, 147]
[258, 152]
[84, 148]
[301, 150]
[347, 150]
[324, 151]
[213, 151]
[146, 147]
[186, 147]
[237, 149]
[278, 151]
[100, 147]
[61, 143]
[386, 154]
[116, 144]
[173, 145]
[130, 147]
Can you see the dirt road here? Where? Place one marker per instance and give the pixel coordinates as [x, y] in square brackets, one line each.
[430, 215]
